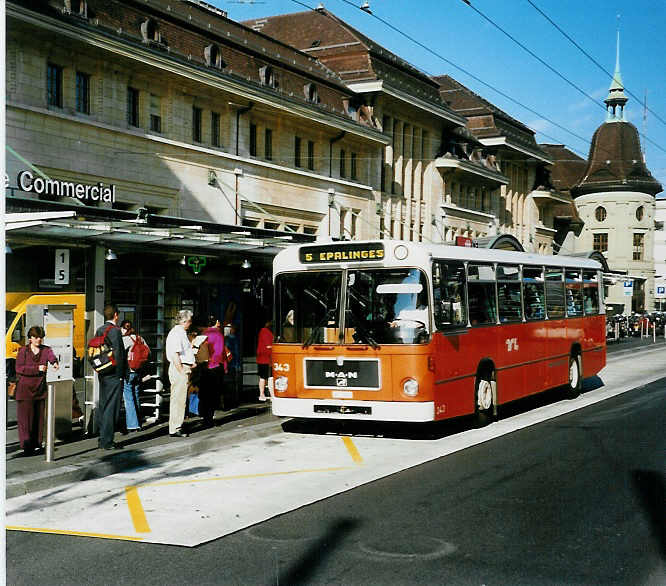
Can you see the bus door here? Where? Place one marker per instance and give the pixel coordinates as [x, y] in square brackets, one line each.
[514, 344]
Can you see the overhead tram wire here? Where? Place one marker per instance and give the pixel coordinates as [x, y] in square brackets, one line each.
[547, 65]
[584, 52]
[466, 72]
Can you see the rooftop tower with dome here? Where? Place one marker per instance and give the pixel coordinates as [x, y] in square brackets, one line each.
[615, 198]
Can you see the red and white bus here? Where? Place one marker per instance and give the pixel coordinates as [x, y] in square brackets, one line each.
[396, 331]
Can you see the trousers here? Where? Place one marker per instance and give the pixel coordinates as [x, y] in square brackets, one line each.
[30, 420]
[178, 396]
[131, 399]
[108, 409]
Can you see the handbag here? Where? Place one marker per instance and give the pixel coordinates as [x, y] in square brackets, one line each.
[11, 389]
[193, 404]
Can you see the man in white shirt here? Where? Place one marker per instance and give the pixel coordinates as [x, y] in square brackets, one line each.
[180, 354]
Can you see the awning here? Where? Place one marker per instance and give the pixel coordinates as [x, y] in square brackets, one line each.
[120, 230]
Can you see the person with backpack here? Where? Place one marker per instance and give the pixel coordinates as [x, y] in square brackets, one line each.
[137, 354]
[110, 380]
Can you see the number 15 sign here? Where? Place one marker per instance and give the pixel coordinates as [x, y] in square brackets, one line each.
[62, 266]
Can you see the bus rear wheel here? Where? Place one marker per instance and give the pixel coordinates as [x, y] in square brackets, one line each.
[485, 395]
[575, 384]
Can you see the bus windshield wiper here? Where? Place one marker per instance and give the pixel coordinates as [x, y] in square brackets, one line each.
[311, 338]
[365, 333]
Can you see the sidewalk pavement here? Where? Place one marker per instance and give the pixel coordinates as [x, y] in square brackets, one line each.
[78, 457]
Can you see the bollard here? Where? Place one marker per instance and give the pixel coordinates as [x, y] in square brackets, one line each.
[50, 423]
[654, 332]
[617, 331]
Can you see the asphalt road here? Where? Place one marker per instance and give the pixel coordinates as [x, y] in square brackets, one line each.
[575, 500]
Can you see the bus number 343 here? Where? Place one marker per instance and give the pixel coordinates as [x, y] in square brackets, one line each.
[511, 344]
[277, 367]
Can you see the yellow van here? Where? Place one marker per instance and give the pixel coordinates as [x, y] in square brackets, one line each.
[16, 326]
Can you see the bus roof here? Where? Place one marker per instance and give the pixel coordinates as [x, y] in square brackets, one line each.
[400, 253]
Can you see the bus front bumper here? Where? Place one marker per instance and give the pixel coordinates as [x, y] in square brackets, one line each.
[362, 410]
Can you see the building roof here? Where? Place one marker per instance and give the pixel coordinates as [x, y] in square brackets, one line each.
[567, 169]
[485, 119]
[184, 31]
[353, 55]
[615, 162]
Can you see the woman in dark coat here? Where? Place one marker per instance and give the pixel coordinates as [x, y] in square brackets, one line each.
[31, 364]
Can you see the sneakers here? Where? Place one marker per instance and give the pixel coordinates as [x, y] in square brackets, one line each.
[179, 434]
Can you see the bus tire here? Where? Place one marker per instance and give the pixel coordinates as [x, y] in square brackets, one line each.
[485, 399]
[575, 384]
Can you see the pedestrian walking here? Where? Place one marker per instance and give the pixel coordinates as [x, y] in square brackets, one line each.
[131, 379]
[110, 380]
[264, 345]
[180, 354]
[31, 365]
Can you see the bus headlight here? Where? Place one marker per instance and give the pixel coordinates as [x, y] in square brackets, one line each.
[281, 383]
[410, 387]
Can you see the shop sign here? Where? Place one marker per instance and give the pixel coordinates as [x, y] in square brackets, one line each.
[26, 181]
[464, 241]
[196, 263]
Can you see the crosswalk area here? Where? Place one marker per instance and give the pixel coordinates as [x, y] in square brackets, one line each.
[195, 499]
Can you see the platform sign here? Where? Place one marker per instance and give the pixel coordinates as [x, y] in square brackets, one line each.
[628, 288]
[61, 266]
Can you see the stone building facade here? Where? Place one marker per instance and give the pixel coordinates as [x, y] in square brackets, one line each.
[187, 113]
[528, 205]
[429, 155]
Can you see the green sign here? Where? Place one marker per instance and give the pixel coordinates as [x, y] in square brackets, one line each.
[196, 263]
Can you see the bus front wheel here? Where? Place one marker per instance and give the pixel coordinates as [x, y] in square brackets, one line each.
[575, 384]
[485, 397]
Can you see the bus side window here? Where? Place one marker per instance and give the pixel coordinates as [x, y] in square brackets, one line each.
[481, 293]
[449, 294]
[533, 289]
[555, 292]
[508, 293]
[590, 292]
[574, 292]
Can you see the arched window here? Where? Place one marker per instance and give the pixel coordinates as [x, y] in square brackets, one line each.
[150, 32]
[76, 7]
[267, 76]
[640, 211]
[213, 57]
[311, 93]
[600, 214]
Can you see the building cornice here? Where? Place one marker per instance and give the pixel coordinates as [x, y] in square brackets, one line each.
[383, 87]
[474, 169]
[218, 80]
[498, 141]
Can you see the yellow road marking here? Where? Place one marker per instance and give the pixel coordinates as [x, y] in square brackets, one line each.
[76, 533]
[136, 510]
[351, 448]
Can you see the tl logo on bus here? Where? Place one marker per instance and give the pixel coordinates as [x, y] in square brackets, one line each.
[511, 344]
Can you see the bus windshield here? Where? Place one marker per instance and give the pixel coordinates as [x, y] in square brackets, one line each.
[383, 306]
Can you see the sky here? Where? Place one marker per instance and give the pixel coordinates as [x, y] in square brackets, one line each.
[458, 41]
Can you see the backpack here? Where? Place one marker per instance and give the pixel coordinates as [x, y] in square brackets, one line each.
[100, 353]
[138, 353]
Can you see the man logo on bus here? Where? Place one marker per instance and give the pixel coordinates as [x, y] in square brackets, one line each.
[511, 344]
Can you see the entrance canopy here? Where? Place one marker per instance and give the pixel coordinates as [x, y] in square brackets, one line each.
[28, 222]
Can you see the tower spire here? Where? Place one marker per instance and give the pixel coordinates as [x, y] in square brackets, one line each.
[616, 97]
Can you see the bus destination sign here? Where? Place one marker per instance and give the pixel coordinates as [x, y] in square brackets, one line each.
[341, 252]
